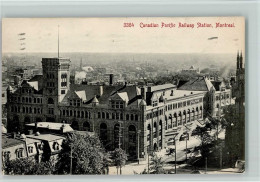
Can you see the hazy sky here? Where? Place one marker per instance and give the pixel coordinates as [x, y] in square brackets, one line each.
[109, 35]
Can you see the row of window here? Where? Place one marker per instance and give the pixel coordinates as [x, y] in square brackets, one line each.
[223, 96]
[27, 100]
[182, 104]
[30, 110]
[25, 90]
[154, 114]
[100, 115]
[50, 84]
[50, 76]
[75, 102]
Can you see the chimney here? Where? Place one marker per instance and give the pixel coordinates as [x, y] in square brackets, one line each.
[111, 79]
[36, 126]
[14, 135]
[143, 93]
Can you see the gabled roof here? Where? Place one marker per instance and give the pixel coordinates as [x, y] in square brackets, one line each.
[121, 96]
[196, 84]
[34, 85]
[36, 78]
[102, 93]
[81, 94]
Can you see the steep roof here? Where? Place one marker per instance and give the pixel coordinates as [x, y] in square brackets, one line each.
[102, 93]
[37, 78]
[196, 84]
[8, 141]
[162, 87]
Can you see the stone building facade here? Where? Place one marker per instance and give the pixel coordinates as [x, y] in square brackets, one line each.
[121, 115]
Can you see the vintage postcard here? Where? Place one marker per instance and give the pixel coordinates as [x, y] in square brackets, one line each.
[122, 96]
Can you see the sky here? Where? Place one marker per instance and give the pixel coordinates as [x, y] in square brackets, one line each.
[104, 35]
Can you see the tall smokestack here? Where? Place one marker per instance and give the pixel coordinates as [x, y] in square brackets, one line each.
[143, 93]
[111, 79]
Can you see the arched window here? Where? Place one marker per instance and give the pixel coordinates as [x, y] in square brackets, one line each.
[103, 115]
[127, 117]
[149, 133]
[50, 101]
[107, 115]
[86, 126]
[154, 130]
[113, 116]
[132, 117]
[75, 125]
[116, 135]
[99, 115]
[136, 117]
[132, 141]
[103, 133]
[27, 120]
[82, 114]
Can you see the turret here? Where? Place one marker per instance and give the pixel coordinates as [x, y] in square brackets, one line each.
[95, 101]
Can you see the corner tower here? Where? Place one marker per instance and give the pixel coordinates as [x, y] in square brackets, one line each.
[55, 85]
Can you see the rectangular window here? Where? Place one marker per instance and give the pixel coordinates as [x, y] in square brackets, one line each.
[62, 92]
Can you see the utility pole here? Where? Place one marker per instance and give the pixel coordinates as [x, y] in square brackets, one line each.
[148, 152]
[138, 133]
[71, 160]
[186, 147]
[206, 165]
[175, 154]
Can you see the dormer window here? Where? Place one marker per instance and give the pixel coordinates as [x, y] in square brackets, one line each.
[6, 155]
[56, 146]
[30, 149]
[19, 153]
[78, 102]
[155, 103]
[40, 146]
[171, 92]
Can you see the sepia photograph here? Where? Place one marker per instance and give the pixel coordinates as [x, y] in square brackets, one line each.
[123, 96]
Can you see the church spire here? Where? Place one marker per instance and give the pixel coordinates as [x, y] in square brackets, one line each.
[238, 60]
[241, 61]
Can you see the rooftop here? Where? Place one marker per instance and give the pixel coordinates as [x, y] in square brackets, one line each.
[52, 126]
[46, 137]
[196, 84]
[8, 141]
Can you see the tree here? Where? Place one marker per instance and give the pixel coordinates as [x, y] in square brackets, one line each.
[81, 154]
[119, 157]
[206, 139]
[157, 165]
[27, 166]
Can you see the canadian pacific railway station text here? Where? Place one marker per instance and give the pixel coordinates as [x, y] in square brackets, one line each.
[180, 25]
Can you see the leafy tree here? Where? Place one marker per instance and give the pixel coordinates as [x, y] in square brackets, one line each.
[157, 165]
[27, 166]
[81, 154]
[206, 139]
[119, 157]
